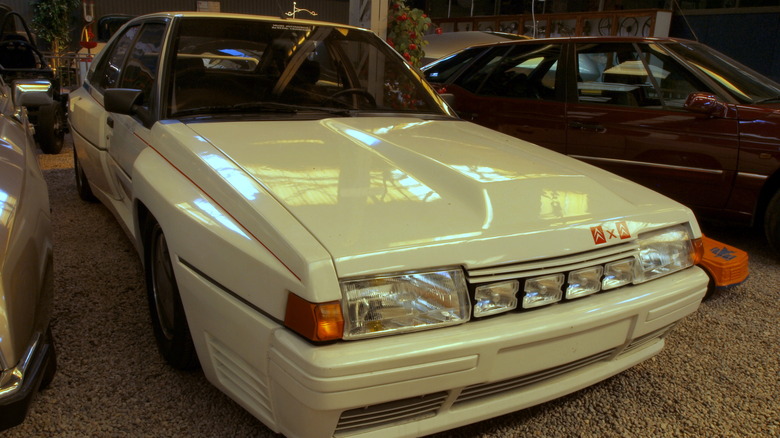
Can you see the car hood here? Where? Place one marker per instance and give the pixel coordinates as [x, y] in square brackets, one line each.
[370, 187]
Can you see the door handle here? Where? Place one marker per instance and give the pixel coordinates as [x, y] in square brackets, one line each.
[110, 122]
[590, 127]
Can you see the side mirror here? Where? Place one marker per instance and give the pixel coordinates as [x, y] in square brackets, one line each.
[705, 103]
[127, 101]
[122, 100]
[449, 98]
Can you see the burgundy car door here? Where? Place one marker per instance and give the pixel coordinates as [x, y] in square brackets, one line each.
[517, 90]
[628, 118]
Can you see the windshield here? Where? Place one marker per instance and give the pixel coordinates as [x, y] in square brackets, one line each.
[744, 84]
[246, 66]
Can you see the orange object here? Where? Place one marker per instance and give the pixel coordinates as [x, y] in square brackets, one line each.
[318, 322]
[726, 265]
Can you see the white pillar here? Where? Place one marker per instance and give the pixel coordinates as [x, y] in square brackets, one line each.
[371, 14]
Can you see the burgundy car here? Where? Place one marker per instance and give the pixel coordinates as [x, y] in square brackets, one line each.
[671, 114]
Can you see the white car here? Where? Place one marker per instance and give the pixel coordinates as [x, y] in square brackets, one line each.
[342, 255]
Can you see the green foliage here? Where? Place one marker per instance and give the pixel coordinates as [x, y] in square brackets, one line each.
[52, 21]
[406, 29]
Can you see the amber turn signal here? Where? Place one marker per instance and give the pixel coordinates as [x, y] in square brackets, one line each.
[698, 251]
[315, 321]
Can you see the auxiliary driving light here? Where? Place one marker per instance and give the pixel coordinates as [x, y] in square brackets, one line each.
[496, 298]
[541, 291]
[618, 274]
[584, 282]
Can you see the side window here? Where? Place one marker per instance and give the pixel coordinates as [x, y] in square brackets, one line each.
[527, 72]
[622, 74]
[106, 74]
[444, 69]
[143, 61]
[473, 78]
[675, 82]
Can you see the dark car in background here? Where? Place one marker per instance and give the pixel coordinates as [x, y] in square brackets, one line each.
[440, 45]
[671, 114]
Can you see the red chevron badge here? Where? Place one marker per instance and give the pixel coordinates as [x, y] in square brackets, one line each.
[622, 228]
[598, 235]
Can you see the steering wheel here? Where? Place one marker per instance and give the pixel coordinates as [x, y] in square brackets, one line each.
[357, 91]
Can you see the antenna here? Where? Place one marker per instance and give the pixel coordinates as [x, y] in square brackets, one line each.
[296, 9]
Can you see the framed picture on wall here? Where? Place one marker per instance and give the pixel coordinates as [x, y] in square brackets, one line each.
[207, 6]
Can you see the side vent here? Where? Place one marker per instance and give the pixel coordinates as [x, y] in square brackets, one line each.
[240, 378]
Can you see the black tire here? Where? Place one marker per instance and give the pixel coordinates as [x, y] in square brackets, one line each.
[165, 307]
[82, 184]
[50, 128]
[772, 222]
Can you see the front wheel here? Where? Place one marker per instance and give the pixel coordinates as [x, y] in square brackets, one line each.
[168, 319]
[772, 222]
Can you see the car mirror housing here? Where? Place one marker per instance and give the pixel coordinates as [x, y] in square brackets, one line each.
[128, 101]
[705, 103]
[122, 100]
[449, 98]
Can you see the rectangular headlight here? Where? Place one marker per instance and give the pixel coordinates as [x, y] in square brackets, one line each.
[404, 302]
[541, 291]
[617, 274]
[584, 282]
[663, 252]
[496, 298]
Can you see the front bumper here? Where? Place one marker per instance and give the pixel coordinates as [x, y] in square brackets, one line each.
[425, 382]
[19, 385]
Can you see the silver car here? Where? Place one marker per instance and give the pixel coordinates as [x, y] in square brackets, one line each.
[27, 357]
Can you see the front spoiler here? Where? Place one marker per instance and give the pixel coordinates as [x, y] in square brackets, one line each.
[21, 383]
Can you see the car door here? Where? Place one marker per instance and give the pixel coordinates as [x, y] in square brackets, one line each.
[128, 135]
[88, 117]
[628, 118]
[518, 90]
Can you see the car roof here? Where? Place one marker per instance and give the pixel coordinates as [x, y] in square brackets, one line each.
[594, 39]
[236, 16]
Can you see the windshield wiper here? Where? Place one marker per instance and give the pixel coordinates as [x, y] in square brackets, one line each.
[272, 107]
[289, 107]
[220, 109]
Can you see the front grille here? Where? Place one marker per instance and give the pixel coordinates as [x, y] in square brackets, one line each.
[553, 265]
[418, 408]
[522, 272]
[487, 389]
[399, 411]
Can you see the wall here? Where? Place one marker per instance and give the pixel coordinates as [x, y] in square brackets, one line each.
[327, 10]
[752, 38]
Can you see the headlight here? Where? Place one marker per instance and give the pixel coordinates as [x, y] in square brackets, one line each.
[404, 302]
[663, 252]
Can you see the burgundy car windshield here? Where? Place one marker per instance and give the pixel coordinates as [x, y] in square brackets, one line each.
[243, 66]
[744, 84]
